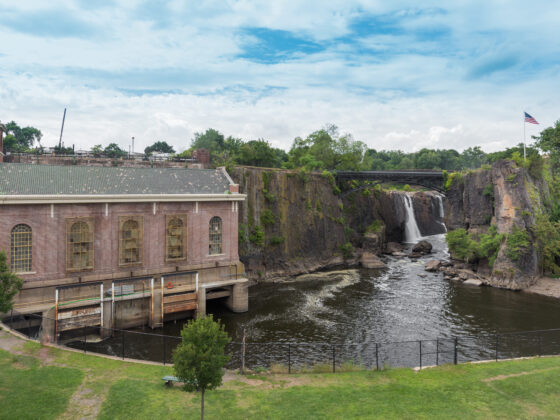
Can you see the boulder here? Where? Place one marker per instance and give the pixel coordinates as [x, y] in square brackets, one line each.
[432, 265]
[473, 282]
[370, 260]
[422, 247]
[392, 247]
[398, 254]
[414, 255]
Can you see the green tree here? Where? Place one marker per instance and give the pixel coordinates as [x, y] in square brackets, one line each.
[97, 150]
[200, 358]
[549, 142]
[20, 139]
[10, 285]
[211, 139]
[159, 147]
[114, 151]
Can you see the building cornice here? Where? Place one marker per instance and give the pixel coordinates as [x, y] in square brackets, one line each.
[116, 198]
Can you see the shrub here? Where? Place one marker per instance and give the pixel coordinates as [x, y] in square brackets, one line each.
[488, 190]
[490, 244]
[517, 243]
[347, 250]
[461, 246]
[276, 240]
[257, 236]
[375, 227]
[268, 218]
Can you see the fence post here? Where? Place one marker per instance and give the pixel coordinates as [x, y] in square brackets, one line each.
[333, 360]
[163, 349]
[289, 359]
[497, 338]
[123, 332]
[85, 338]
[539, 350]
[243, 350]
[29, 327]
[376, 356]
[420, 347]
[437, 352]
[455, 342]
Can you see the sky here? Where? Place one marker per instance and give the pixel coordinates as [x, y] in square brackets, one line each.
[394, 74]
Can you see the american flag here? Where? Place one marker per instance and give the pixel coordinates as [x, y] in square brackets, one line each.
[529, 119]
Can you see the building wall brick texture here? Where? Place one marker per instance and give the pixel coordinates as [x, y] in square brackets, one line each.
[49, 238]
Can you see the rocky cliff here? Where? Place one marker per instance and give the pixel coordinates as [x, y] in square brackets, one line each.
[508, 197]
[294, 222]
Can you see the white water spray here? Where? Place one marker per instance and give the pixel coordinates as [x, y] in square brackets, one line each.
[411, 231]
[441, 212]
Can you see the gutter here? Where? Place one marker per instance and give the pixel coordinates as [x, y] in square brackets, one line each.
[116, 198]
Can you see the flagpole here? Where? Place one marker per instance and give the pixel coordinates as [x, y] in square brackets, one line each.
[524, 151]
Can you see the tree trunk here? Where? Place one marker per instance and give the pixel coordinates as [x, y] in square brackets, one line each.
[202, 404]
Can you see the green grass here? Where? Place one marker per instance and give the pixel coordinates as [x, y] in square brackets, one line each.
[508, 389]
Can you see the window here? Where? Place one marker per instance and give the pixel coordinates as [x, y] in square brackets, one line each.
[176, 238]
[131, 236]
[79, 245]
[215, 235]
[21, 249]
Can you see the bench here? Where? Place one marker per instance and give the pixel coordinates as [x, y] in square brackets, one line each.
[170, 379]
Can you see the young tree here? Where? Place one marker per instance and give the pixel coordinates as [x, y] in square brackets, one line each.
[200, 358]
[10, 285]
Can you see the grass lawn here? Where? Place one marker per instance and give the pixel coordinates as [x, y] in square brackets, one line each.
[50, 383]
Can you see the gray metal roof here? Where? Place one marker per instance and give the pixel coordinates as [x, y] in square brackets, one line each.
[27, 179]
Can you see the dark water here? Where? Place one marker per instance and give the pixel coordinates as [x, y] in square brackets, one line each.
[355, 309]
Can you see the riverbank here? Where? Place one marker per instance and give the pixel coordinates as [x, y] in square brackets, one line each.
[545, 286]
[46, 383]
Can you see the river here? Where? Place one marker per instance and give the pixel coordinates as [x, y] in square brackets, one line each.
[364, 312]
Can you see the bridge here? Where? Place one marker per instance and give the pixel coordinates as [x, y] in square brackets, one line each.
[424, 178]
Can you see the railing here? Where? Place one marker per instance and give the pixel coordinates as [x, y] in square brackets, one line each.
[292, 357]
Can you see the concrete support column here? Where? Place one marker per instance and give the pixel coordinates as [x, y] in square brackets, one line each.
[238, 301]
[48, 327]
[201, 309]
[107, 308]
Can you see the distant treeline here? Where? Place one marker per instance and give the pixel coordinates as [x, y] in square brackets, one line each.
[325, 149]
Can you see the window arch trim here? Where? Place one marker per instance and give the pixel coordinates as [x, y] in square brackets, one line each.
[131, 240]
[80, 241]
[215, 236]
[175, 237]
[21, 248]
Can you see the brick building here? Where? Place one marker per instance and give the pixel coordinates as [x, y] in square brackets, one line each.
[70, 231]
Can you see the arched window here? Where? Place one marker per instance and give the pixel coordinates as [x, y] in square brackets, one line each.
[21, 248]
[176, 238]
[79, 245]
[130, 244]
[215, 235]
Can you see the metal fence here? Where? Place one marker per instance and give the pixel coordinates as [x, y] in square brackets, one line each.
[292, 357]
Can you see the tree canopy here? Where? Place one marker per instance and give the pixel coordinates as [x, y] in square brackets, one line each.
[10, 285]
[114, 151]
[159, 147]
[20, 139]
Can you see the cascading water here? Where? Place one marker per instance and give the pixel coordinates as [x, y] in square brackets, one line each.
[411, 231]
[441, 212]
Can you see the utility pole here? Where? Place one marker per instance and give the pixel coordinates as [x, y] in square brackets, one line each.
[132, 144]
[61, 130]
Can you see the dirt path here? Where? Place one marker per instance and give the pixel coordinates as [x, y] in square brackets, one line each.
[545, 286]
[85, 403]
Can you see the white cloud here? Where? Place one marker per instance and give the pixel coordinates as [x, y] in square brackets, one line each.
[394, 89]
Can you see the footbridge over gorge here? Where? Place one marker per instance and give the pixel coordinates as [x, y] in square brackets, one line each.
[425, 178]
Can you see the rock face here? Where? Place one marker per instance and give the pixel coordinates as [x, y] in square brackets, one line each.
[428, 208]
[293, 223]
[508, 197]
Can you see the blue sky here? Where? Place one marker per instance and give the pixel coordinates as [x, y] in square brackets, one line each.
[397, 75]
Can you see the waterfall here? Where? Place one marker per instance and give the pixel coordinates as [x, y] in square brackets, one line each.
[411, 231]
[441, 212]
